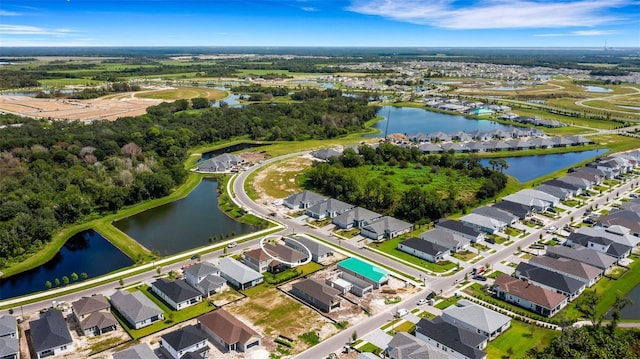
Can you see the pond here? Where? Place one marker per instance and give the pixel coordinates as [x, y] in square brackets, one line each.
[184, 224]
[522, 168]
[631, 311]
[84, 252]
[411, 120]
[597, 89]
[229, 149]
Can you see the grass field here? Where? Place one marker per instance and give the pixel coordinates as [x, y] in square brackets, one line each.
[515, 342]
[391, 247]
[184, 93]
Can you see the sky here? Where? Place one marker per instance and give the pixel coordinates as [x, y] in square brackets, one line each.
[321, 23]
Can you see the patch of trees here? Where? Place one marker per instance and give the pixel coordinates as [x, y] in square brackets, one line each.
[54, 173]
[90, 93]
[254, 89]
[12, 79]
[417, 204]
[608, 72]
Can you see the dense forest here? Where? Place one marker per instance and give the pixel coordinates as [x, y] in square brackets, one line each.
[419, 203]
[53, 173]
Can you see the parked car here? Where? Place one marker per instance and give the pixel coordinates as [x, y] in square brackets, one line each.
[401, 313]
[588, 221]
[480, 278]
[422, 301]
[195, 256]
[551, 229]
[490, 240]
[633, 195]
[232, 244]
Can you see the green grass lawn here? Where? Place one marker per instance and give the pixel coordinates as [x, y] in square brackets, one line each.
[464, 255]
[515, 342]
[447, 302]
[390, 247]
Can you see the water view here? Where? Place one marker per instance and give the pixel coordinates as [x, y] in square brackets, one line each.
[522, 167]
[597, 89]
[631, 311]
[228, 149]
[84, 252]
[184, 224]
[410, 120]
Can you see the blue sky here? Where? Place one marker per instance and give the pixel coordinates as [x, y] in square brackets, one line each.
[347, 23]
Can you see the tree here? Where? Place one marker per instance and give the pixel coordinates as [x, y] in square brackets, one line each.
[56, 282]
[587, 306]
[48, 284]
[65, 280]
[84, 275]
[618, 305]
[74, 276]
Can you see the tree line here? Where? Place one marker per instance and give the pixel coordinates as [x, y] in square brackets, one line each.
[55, 173]
[416, 204]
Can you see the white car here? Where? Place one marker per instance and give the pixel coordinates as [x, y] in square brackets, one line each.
[232, 244]
[422, 301]
[551, 229]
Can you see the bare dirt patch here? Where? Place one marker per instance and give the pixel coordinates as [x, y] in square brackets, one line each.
[280, 179]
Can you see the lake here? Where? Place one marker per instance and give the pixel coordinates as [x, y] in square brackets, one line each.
[184, 224]
[632, 311]
[410, 120]
[527, 168]
[85, 252]
[597, 89]
[229, 149]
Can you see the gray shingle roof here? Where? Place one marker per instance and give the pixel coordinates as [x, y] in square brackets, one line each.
[184, 337]
[584, 255]
[458, 339]
[318, 290]
[91, 304]
[238, 271]
[357, 214]
[178, 290]
[476, 316]
[135, 305]
[457, 226]
[8, 324]
[140, 351]
[330, 206]
[201, 269]
[314, 247]
[424, 246]
[406, 346]
[50, 331]
[387, 224]
[444, 238]
[549, 278]
[497, 213]
[101, 320]
[9, 347]
[568, 266]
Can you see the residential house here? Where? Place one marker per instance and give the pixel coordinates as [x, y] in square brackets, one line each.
[421, 248]
[624, 221]
[451, 339]
[496, 213]
[136, 308]
[356, 218]
[617, 234]
[93, 315]
[593, 178]
[348, 283]
[449, 240]
[50, 335]
[9, 341]
[550, 280]
[459, 229]
[584, 255]
[178, 294]
[328, 209]
[360, 269]
[386, 228]
[483, 223]
[228, 332]
[319, 251]
[303, 200]
[257, 259]
[529, 202]
[551, 200]
[562, 193]
[591, 169]
[189, 339]
[573, 188]
[430, 148]
[569, 267]
[583, 184]
[238, 274]
[600, 244]
[205, 277]
[477, 319]
[528, 295]
[325, 154]
[287, 257]
[139, 351]
[519, 210]
[317, 294]
[221, 163]
[406, 346]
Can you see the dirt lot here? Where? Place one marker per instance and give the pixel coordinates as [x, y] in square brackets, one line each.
[274, 313]
[280, 179]
[84, 110]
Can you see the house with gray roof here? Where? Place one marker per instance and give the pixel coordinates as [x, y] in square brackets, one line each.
[449, 240]
[591, 177]
[477, 319]
[220, 163]
[406, 346]
[453, 146]
[356, 218]
[581, 183]
[238, 274]
[592, 169]
[600, 244]
[317, 294]
[550, 280]
[138, 310]
[483, 223]
[386, 228]
[519, 210]
[326, 153]
[584, 255]
[528, 295]
[569, 267]
[430, 148]
[458, 228]
[551, 200]
[496, 213]
[189, 339]
[571, 187]
[93, 315]
[139, 351]
[622, 221]
[474, 147]
[286, 257]
[562, 193]
[9, 341]
[303, 200]
[421, 248]
[541, 143]
[451, 339]
[50, 335]
[178, 294]
[319, 251]
[527, 201]
[328, 209]
[205, 277]
[614, 233]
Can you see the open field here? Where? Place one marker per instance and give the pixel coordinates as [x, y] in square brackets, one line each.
[515, 342]
[183, 93]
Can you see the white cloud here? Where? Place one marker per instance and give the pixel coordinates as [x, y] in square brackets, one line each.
[493, 14]
[31, 30]
[9, 13]
[308, 8]
[579, 33]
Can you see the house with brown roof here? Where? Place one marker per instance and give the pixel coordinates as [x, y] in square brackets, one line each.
[228, 332]
[257, 259]
[273, 258]
[528, 296]
[93, 315]
[317, 294]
